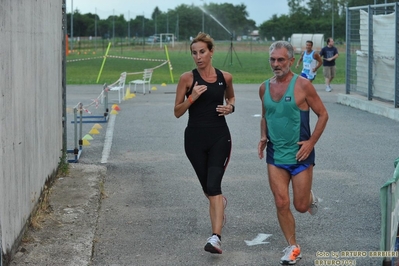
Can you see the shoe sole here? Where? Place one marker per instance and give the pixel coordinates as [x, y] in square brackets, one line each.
[290, 263]
[287, 263]
[209, 248]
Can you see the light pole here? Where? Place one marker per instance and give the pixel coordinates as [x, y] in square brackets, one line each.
[113, 26]
[167, 22]
[332, 19]
[155, 21]
[143, 33]
[203, 18]
[95, 30]
[128, 25]
[71, 25]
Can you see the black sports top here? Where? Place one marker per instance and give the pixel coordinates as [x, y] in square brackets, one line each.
[202, 113]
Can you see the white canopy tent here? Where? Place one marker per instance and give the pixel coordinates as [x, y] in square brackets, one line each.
[298, 41]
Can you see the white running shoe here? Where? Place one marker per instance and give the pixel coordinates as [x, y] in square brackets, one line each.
[213, 245]
[313, 208]
[328, 88]
[291, 255]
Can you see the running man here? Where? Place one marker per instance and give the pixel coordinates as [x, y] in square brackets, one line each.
[311, 62]
[285, 130]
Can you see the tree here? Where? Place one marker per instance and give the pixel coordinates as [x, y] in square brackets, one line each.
[219, 19]
[317, 8]
[81, 24]
[191, 19]
[276, 27]
[294, 5]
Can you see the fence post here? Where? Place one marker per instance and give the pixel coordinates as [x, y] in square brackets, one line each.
[370, 54]
[348, 51]
[105, 91]
[396, 92]
[1, 247]
[389, 195]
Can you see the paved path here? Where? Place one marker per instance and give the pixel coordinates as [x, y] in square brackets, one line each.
[156, 214]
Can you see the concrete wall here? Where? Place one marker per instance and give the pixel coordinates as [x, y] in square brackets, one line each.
[31, 108]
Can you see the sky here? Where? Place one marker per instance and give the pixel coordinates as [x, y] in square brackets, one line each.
[258, 10]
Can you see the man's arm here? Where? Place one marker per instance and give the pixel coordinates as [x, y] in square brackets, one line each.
[335, 55]
[263, 125]
[315, 103]
[317, 57]
[300, 60]
[321, 53]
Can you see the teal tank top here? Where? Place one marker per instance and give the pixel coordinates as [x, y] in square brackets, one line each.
[286, 125]
[308, 64]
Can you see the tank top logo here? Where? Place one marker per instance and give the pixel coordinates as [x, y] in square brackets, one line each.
[287, 98]
[220, 83]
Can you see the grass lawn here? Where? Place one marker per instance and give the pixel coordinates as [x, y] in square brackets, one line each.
[247, 62]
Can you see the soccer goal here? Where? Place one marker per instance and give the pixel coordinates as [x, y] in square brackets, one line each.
[166, 38]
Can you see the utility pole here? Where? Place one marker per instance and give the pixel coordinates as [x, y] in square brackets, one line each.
[71, 25]
[113, 26]
[95, 29]
[332, 19]
[128, 25]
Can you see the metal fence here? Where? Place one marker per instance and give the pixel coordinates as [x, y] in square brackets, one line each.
[372, 52]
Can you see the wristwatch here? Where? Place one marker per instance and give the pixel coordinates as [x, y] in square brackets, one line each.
[234, 108]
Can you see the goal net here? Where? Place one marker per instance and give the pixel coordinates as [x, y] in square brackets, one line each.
[167, 38]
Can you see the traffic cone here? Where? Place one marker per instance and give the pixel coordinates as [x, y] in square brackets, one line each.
[94, 131]
[127, 95]
[131, 95]
[98, 126]
[87, 137]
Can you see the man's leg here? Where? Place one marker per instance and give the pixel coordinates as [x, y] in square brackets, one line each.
[332, 74]
[301, 186]
[327, 77]
[279, 180]
[327, 81]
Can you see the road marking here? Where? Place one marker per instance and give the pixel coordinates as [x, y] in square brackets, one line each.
[108, 138]
[258, 240]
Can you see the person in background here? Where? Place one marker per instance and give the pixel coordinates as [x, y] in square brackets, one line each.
[208, 95]
[311, 62]
[285, 130]
[329, 54]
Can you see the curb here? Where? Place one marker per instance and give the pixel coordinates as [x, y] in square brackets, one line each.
[67, 231]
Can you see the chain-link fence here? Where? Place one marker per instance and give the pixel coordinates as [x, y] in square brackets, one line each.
[372, 52]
